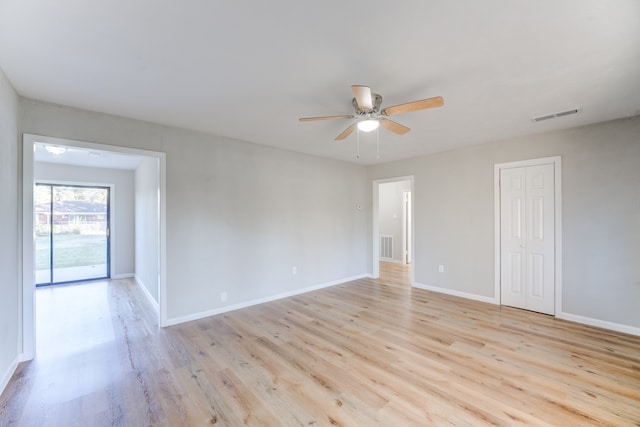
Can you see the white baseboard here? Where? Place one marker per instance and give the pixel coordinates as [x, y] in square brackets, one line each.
[391, 260]
[145, 291]
[455, 293]
[632, 330]
[122, 276]
[618, 327]
[208, 313]
[23, 357]
[8, 374]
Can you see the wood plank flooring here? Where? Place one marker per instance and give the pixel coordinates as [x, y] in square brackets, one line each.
[364, 353]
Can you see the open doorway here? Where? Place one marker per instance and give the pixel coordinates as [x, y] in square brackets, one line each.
[393, 229]
[73, 162]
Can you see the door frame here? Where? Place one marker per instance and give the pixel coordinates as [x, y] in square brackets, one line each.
[556, 161]
[26, 306]
[407, 226]
[375, 223]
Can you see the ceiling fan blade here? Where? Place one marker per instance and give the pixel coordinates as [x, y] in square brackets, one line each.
[363, 97]
[311, 119]
[414, 106]
[346, 132]
[393, 126]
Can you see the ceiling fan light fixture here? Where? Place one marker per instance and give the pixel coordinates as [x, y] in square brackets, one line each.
[368, 125]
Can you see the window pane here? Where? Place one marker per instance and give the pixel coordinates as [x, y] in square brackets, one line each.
[80, 237]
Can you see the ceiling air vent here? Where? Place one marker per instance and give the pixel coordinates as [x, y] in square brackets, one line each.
[555, 115]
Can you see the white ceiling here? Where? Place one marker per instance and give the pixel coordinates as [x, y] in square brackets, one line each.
[79, 156]
[249, 69]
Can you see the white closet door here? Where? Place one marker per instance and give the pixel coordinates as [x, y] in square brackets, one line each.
[527, 235]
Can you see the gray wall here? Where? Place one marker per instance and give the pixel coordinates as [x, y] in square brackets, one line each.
[147, 241]
[122, 233]
[10, 275]
[239, 215]
[454, 215]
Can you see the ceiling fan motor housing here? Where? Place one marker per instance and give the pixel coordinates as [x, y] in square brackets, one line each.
[376, 101]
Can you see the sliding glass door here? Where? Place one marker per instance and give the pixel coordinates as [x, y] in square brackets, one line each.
[72, 233]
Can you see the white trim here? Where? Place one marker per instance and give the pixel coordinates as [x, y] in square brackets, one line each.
[391, 260]
[208, 313]
[122, 276]
[28, 325]
[146, 292]
[8, 374]
[617, 327]
[375, 223]
[407, 221]
[497, 224]
[557, 163]
[162, 237]
[455, 293]
[27, 305]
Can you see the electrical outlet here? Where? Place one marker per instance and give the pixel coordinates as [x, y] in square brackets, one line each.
[223, 296]
[441, 268]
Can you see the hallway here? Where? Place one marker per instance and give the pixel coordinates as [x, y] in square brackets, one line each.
[395, 274]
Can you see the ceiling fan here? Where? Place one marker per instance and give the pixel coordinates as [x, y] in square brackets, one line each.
[369, 116]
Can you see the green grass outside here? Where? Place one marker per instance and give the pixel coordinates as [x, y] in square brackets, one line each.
[71, 250]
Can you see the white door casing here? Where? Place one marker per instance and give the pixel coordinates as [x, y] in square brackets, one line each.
[527, 237]
[406, 228]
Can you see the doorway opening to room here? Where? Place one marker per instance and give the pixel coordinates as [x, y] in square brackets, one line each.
[72, 229]
[393, 230]
[130, 225]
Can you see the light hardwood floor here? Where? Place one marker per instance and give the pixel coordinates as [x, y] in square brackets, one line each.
[364, 353]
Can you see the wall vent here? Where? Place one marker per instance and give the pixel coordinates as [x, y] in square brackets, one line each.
[555, 115]
[386, 247]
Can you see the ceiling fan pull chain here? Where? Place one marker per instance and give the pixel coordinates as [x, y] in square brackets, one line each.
[358, 144]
